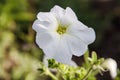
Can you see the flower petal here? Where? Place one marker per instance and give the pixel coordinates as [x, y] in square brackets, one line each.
[58, 11]
[64, 17]
[59, 51]
[72, 63]
[46, 16]
[47, 19]
[76, 26]
[45, 39]
[76, 46]
[39, 26]
[69, 12]
[63, 53]
[86, 35]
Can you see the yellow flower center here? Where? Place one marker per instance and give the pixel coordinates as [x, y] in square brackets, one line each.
[61, 30]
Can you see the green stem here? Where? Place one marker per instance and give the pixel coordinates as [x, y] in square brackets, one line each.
[51, 75]
[89, 71]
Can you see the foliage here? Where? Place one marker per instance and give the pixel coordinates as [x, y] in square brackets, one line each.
[118, 76]
[90, 68]
[19, 57]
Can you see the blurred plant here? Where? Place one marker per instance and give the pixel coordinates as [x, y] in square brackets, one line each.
[15, 17]
[12, 10]
[118, 75]
[18, 60]
[16, 64]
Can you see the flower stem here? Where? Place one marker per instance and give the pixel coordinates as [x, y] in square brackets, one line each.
[51, 75]
[89, 71]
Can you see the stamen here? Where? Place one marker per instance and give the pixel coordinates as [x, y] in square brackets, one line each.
[61, 30]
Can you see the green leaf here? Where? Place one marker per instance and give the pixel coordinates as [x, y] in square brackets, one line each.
[52, 63]
[94, 56]
[100, 61]
[86, 55]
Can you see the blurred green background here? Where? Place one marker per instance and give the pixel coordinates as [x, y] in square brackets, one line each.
[20, 56]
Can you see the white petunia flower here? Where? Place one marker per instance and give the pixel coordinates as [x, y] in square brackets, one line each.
[111, 65]
[60, 35]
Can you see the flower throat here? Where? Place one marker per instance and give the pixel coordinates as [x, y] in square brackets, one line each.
[61, 30]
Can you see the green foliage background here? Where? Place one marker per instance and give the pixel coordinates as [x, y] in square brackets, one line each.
[19, 55]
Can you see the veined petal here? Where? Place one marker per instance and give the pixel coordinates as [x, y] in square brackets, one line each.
[86, 35]
[63, 53]
[68, 17]
[76, 26]
[58, 50]
[44, 39]
[64, 17]
[49, 50]
[46, 16]
[39, 26]
[57, 11]
[69, 12]
[47, 19]
[76, 46]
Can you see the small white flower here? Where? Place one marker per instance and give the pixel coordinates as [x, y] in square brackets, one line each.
[111, 65]
[60, 35]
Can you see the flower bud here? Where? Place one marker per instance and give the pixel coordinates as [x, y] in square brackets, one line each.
[111, 65]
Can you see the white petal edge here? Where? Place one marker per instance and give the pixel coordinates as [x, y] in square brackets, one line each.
[59, 51]
[59, 11]
[75, 27]
[49, 19]
[72, 63]
[39, 26]
[64, 16]
[45, 39]
[70, 13]
[76, 46]
[67, 17]
[45, 61]
[86, 35]
[46, 16]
